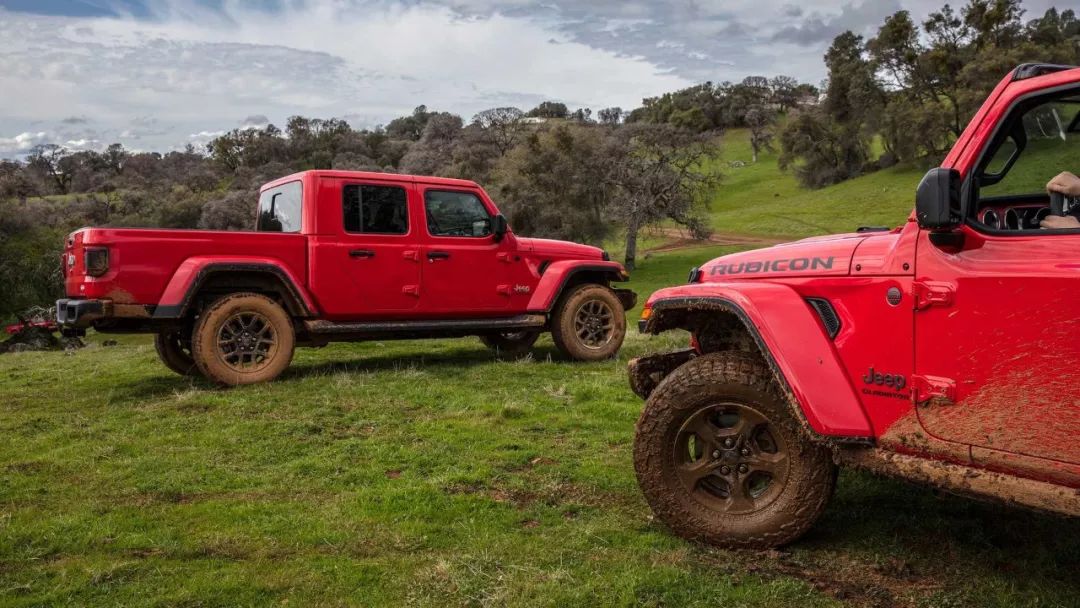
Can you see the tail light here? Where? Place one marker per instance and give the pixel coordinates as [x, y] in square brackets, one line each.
[96, 261]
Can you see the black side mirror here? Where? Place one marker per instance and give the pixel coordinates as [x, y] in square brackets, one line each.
[499, 227]
[937, 199]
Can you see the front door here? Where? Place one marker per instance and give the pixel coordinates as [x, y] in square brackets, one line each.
[997, 333]
[1005, 343]
[465, 268]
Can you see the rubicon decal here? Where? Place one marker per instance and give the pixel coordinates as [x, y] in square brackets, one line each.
[780, 265]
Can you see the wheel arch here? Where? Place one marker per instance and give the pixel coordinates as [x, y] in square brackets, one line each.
[558, 278]
[197, 279]
[780, 325]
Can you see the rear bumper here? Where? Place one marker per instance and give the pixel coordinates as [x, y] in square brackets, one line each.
[81, 313]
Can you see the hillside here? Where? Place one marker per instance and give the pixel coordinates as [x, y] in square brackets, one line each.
[759, 198]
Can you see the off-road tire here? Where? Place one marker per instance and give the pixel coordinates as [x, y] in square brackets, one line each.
[744, 382]
[565, 332]
[511, 345]
[214, 360]
[171, 350]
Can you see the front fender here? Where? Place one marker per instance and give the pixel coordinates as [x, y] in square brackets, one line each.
[792, 340]
[193, 271]
[558, 275]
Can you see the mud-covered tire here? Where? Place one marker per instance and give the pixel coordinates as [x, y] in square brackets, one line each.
[700, 398]
[511, 345]
[600, 310]
[175, 353]
[243, 338]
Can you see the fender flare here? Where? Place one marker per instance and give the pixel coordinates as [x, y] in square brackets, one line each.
[557, 275]
[793, 342]
[193, 273]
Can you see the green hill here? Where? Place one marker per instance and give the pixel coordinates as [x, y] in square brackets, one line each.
[759, 198]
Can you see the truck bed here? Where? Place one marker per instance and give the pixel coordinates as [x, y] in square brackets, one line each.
[144, 260]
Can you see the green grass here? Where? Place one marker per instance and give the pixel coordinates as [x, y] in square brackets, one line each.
[758, 198]
[429, 474]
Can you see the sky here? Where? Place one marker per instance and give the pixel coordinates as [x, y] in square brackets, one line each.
[156, 75]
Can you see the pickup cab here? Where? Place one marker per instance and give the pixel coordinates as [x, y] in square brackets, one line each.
[343, 256]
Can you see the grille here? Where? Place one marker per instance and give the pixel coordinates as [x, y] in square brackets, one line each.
[827, 314]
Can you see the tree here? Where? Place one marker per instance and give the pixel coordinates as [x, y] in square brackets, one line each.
[610, 116]
[550, 109]
[760, 120]
[434, 151]
[783, 91]
[409, 127]
[820, 151]
[655, 175]
[502, 124]
[47, 161]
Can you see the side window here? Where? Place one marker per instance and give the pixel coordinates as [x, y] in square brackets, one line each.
[456, 214]
[375, 209]
[279, 208]
[1042, 142]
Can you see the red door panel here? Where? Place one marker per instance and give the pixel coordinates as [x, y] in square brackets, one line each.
[1007, 339]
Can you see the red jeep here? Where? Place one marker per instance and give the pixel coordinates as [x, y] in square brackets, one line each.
[340, 255]
[938, 352]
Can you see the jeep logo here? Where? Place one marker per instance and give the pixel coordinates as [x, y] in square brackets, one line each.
[893, 381]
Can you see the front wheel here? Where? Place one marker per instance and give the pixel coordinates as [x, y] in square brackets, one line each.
[174, 350]
[589, 323]
[720, 458]
[243, 338]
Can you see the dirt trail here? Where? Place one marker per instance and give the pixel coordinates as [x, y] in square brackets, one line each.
[682, 240]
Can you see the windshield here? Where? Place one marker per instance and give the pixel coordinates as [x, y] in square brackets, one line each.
[279, 208]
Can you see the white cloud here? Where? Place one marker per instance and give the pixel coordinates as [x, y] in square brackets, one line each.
[23, 142]
[198, 71]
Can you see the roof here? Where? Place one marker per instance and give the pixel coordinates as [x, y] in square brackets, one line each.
[373, 175]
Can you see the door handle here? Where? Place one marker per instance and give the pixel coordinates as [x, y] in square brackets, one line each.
[437, 255]
[361, 253]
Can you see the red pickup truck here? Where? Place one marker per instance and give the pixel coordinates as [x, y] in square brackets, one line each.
[343, 256]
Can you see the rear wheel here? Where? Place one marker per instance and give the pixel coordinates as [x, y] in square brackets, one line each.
[243, 338]
[589, 324]
[511, 344]
[174, 350]
[720, 458]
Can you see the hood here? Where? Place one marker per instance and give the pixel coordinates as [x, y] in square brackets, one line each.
[816, 256]
[561, 249]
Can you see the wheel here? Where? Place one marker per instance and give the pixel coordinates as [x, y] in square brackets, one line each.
[175, 352]
[589, 323]
[511, 344]
[243, 338]
[720, 458]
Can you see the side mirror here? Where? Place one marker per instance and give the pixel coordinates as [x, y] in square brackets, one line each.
[499, 227]
[937, 199]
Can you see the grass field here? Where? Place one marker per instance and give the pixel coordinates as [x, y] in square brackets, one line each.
[429, 474]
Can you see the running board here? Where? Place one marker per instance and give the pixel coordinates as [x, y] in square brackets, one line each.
[436, 328]
[966, 480]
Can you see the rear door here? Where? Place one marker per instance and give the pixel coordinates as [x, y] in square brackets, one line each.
[370, 264]
[465, 269]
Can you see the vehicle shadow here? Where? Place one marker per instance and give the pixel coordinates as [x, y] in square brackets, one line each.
[887, 536]
[435, 361]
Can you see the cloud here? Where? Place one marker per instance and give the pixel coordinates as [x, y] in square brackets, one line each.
[201, 70]
[23, 142]
[861, 18]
